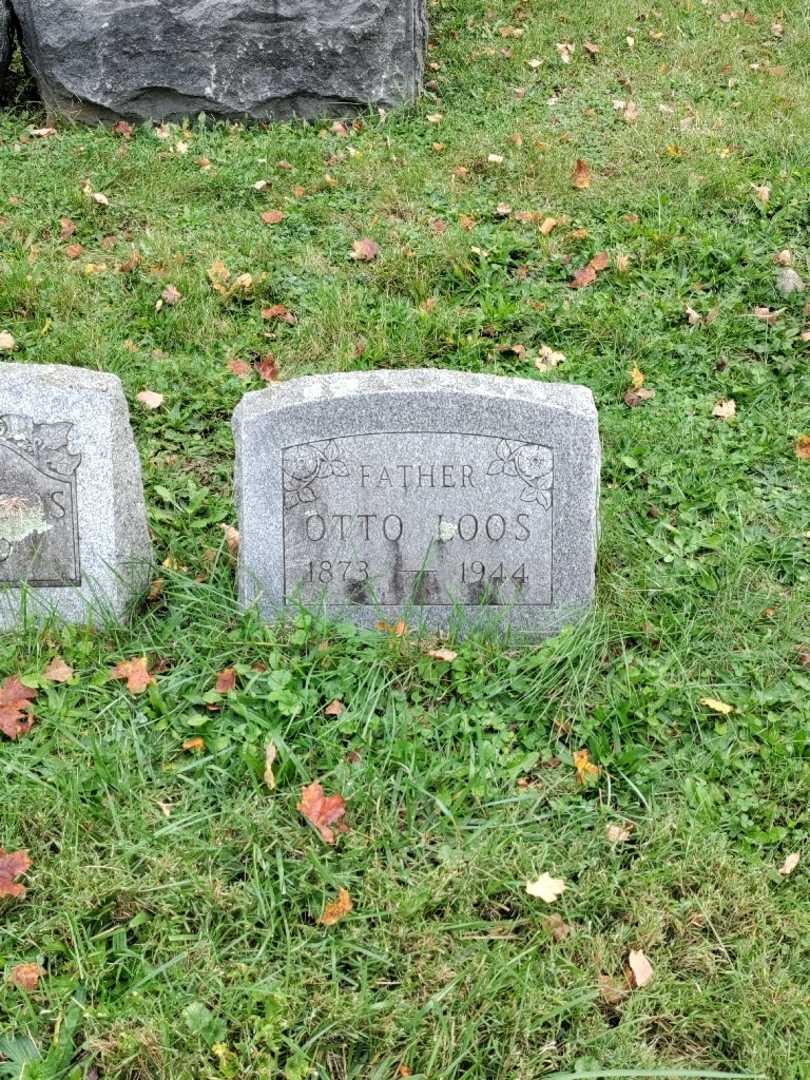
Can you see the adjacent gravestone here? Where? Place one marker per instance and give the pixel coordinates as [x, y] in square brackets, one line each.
[419, 494]
[260, 59]
[73, 535]
[5, 39]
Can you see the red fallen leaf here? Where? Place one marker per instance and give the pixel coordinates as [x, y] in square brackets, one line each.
[16, 710]
[582, 278]
[322, 811]
[74, 251]
[278, 311]
[135, 672]
[273, 217]
[124, 129]
[226, 681]
[26, 976]
[600, 261]
[365, 250]
[581, 176]
[240, 368]
[268, 368]
[12, 865]
[66, 228]
[335, 708]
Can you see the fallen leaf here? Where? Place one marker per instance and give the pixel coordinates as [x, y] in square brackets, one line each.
[12, 865]
[226, 681]
[548, 358]
[600, 262]
[335, 708]
[634, 398]
[547, 225]
[364, 250]
[150, 399]
[546, 888]
[273, 217]
[495, 159]
[716, 705]
[26, 976]
[582, 278]
[435, 118]
[219, 275]
[7, 342]
[195, 745]
[565, 50]
[503, 210]
[584, 766]
[622, 263]
[725, 408]
[802, 447]
[231, 537]
[766, 315]
[581, 176]
[240, 368]
[135, 672]
[556, 926]
[267, 368]
[618, 834]
[637, 378]
[42, 133]
[783, 257]
[66, 228]
[322, 811]
[270, 754]
[790, 864]
[261, 185]
[131, 263]
[101, 199]
[58, 671]
[16, 710]
[762, 192]
[279, 311]
[788, 281]
[171, 295]
[74, 251]
[123, 128]
[335, 911]
[640, 969]
[443, 654]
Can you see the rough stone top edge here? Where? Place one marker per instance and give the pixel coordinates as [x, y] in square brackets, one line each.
[312, 389]
[60, 377]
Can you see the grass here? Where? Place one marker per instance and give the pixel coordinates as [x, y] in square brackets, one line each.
[173, 899]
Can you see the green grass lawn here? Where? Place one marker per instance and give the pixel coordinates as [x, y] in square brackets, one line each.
[173, 898]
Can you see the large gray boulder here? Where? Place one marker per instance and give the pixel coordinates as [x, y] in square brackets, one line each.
[5, 37]
[259, 59]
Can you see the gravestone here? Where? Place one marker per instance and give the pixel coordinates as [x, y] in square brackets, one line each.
[421, 494]
[5, 39]
[73, 535]
[260, 59]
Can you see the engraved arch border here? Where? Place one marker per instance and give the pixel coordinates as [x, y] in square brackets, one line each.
[367, 434]
[70, 481]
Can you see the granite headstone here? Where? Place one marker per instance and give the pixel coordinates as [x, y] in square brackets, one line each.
[6, 38]
[423, 494]
[257, 59]
[73, 534]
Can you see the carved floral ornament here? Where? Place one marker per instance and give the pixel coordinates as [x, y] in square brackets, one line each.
[305, 464]
[532, 464]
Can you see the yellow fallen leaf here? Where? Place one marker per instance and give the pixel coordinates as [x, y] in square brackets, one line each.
[546, 888]
[790, 863]
[270, 754]
[716, 705]
[640, 968]
[339, 908]
[637, 378]
[584, 766]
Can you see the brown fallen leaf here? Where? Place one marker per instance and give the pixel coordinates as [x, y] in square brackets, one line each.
[790, 864]
[279, 311]
[323, 811]
[725, 408]
[195, 745]
[634, 398]
[640, 969]
[171, 295]
[547, 225]
[267, 368]
[131, 263]
[231, 538]
[335, 708]
[135, 672]
[273, 217]
[150, 399]
[337, 909]
[765, 314]
[581, 176]
[226, 681]
[270, 754]
[66, 228]
[583, 278]
[7, 342]
[26, 976]
[546, 888]
[618, 834]
[556, 926]
[58, 671]
[584, 766]
[448, 655]
[762, 192]
[74, 251]
[600, 262]
[802, 447]
[364, 250]
[12, 865]
[16, 710]
[609, 991]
